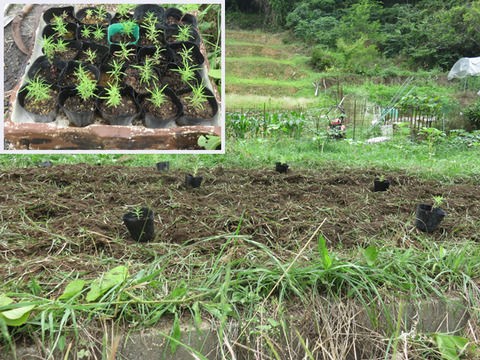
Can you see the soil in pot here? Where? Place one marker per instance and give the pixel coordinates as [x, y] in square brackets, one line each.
[71, 52]
[46, 70]
[140, 224]
[92, 16]
[380, 185]
[39, 111]
[99, 52]
[165, 115]
[68, 77]
[193, 181]
[124, 113]
[427, 217]
[79, 112]
[66, 12]
[281, 167]
[163, 166]
[117, 34]
[132, 79]
[196, 113]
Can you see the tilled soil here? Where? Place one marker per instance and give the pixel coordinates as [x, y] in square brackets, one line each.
[59, 219]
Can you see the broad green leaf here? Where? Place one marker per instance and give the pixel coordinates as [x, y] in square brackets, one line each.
[176, 335]
[5, 300]
[100, 286]
[323, 252]
[17, 316]
[178, 292]
[371, 255]
[73, 288]
[450, 346]
[209, 142]
[215, 73]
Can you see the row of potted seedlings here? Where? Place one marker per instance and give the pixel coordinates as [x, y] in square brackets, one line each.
[142, 63]
[140, 220]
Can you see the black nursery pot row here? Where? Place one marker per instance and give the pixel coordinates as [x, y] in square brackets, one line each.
[169, 17]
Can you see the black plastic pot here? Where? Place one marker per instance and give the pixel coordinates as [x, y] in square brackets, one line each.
[76, 45]
[193, 181]
[121, 119]
[188, 119]
[380, 185]
[48, 14]
[163, 166]
[281, 167]
[174, 16]
[79, 119]
[197, 57]
[22, 93]
[171, 32]
[42, 67]
[80, 14]
[71, 28]
[71, 67]
[141, 10]
[166, 57]
[427, 218]
[102, 52]
[140, 225]
[154, 122]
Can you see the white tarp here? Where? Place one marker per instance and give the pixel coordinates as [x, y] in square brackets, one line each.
[465, 67]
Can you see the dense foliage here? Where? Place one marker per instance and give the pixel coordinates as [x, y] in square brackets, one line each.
[421, 34]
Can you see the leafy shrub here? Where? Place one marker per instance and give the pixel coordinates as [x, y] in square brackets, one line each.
[472, 114]
[323, 59]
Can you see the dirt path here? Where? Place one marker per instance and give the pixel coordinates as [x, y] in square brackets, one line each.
[63, 218]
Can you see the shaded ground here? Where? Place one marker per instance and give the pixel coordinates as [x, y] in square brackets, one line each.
[66, 218]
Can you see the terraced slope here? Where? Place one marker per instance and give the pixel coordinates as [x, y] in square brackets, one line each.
[261, 68]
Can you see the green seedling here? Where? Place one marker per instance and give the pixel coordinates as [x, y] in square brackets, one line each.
[113, 97]
[146, 71]
[187, 72]
[86, 32]
[152, 34]
[101, 12]
[90, 56]
[186, 54]
[59, 25]
[128, 27]
[184, 32]
[157, 96]
[116, 72]
[38, 90]
[89, 13]
[198, 97]
[150, 18]
[124, 53]
[86, 85]
[51, 47]
[124, 10]
[98, 33]
[438, 201]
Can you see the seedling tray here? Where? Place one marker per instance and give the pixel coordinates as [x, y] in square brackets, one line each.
[22, 133]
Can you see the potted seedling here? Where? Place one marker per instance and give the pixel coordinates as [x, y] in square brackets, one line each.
[195, 180]
[124, 12]
[111, 73]
[66, 13]
[59, 28]
[199, 106]
[145, 11]
[93, 34]
[281, 166]
[48, 70]
[428, 217]
[150, 33]
[123, 32]
[79, 103]
[123, 52]
[182, 33]
[380, 184]
[117, 105]
[69, 76]
[141, 77]
[139, 222]
[39, 100]
[163, 166]
[60, 49]
[94, 15]
[186, 52]
[161, 107]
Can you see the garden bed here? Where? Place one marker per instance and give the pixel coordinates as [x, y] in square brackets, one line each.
[179, 131]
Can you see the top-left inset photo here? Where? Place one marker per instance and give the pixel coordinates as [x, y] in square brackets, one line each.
[121, 77]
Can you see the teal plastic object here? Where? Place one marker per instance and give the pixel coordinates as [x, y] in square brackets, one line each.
[118, 28]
